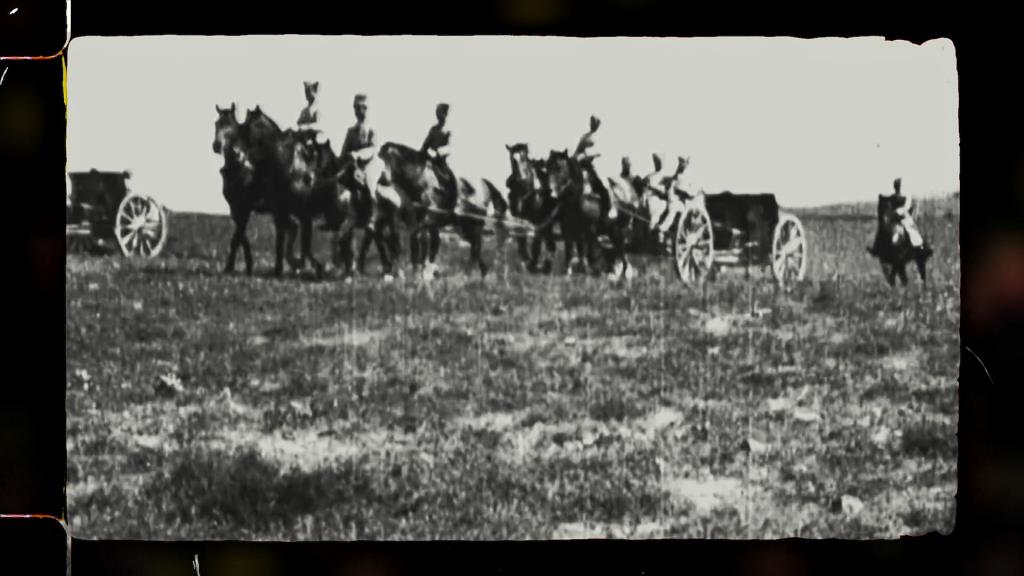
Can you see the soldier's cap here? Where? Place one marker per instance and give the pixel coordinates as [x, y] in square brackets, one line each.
[594, 119]
[897, 182]
[442, 107]
[359, 99]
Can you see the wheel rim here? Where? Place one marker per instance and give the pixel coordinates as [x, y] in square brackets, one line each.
[789, 251]
[141, 226]
[694, 246]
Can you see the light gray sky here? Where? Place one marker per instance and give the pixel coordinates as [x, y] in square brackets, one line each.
[812, 121]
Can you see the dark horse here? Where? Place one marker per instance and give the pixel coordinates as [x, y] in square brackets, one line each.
[277, 175]
[579, 214]
[357, 207]
[238, 175]
[893, 247]
[530, 201]
[429, 206]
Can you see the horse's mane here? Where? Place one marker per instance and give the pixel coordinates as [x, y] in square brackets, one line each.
[252, 115]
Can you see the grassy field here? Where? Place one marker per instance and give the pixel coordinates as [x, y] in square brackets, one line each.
[203, 405]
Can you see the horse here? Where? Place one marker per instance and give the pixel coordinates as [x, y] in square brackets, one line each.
[287, 185]
[360, 208]
[429, 206]
[239, 189]
[580, 217]
[531, 202]
[893, 247]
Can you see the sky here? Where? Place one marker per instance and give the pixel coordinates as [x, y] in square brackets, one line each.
[813, 121]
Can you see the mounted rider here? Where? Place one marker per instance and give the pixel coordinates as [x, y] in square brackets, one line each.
[669, 191]
[438, 146]
[905, 210]
[309, 127]
[586, 152]
[360, 149]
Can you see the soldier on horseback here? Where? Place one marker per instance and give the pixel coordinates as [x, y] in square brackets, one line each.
[586, 152]
[360, 148]
[438, 146]
[904, 210]
[309, 122]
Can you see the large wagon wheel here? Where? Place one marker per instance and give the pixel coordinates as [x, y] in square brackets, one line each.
[140, 226]
[694, 246]
[789, 250]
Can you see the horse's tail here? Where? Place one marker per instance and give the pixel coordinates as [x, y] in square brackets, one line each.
[497, 197]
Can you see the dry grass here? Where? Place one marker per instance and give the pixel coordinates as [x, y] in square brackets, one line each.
[202, 405]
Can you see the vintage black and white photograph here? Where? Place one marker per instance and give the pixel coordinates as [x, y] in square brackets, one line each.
[511, 287]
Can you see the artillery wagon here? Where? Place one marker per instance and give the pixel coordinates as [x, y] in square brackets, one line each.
[102, 209]
[728, 229]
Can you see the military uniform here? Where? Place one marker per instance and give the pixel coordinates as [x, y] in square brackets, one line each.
[905, 211]
[361, 142]
[439, 141]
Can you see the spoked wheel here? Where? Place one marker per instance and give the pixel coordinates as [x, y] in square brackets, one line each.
[789, 250]
[141, 226]
[694, 246]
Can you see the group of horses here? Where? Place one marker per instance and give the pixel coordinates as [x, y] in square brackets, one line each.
[280, 172]
[283, 173]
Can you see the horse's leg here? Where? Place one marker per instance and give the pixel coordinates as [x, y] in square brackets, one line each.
[435, 245]
[343, 245]
[369, 236]
[307, 246]
[281, 227]
[618, 254]
[243, 225]
[476, 248]
[414, 249]
[395, 240]
[236, 239]
[569, 243]
[381, 240]
[921, 260]
[293, 226]
[533, 255]
[552, 246]
[524, 253]
[901, 272]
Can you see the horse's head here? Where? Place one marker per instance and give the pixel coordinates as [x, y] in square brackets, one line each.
[226, 129]
[519, 157]
[561, 172]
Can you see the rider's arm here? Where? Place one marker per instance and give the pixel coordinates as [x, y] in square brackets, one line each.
[445, 150]
[904, 208]
[346, 146]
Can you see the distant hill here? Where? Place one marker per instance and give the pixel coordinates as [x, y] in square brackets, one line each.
[941, 206]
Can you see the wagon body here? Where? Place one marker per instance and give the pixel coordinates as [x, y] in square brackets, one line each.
[743, 226]
[730, 229]
[101, 208]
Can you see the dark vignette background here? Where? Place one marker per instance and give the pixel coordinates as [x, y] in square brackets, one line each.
[32, 459]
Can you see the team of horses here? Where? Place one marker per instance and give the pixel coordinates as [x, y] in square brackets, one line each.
[297, 181]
